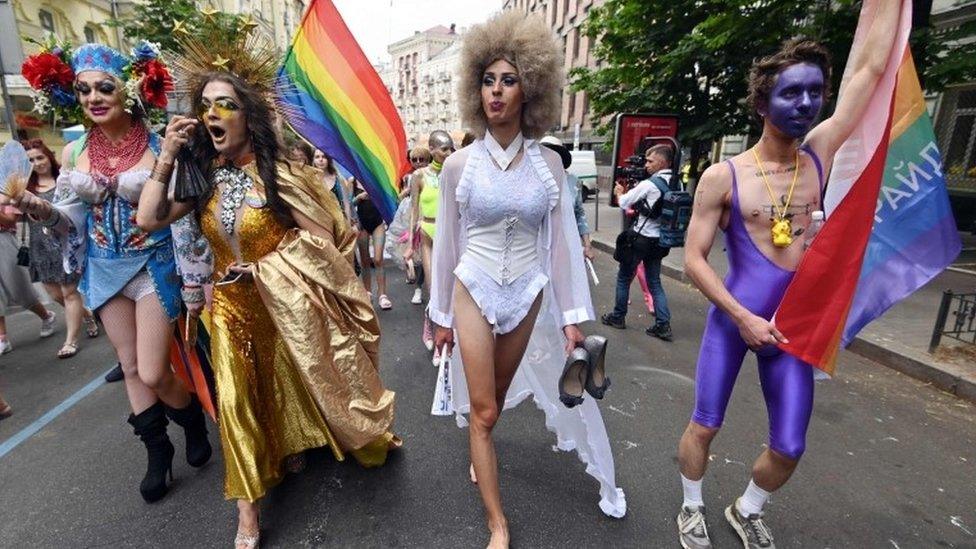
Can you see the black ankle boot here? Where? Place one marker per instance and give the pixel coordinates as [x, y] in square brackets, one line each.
[198, 449]
[150, 427]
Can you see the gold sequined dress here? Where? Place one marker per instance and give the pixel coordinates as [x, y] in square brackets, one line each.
[288, 376]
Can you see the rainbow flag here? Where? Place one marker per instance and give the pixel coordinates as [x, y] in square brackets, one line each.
[889, 226]
[334, 99]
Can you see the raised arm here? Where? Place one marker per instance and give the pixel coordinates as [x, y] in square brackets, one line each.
[156, 209]
[868, 64]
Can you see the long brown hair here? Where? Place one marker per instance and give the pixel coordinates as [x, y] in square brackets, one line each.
[259, 117]
[34, 180]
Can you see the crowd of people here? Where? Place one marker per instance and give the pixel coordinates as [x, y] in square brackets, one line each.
[276, 250]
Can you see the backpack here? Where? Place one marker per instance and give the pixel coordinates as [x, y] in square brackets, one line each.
[672, 211]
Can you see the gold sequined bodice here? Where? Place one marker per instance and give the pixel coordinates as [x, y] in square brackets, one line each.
[258, 233]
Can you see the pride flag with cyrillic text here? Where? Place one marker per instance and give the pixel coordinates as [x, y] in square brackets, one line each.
[889, 226]
[333, 98]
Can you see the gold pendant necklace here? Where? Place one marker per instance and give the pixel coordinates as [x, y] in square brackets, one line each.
[782, 229]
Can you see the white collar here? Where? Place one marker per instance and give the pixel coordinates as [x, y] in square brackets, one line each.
[503, 157]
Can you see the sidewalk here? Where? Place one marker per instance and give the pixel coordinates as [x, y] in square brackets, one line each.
[899, 339]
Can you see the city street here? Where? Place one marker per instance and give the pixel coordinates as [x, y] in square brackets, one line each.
[890, 461]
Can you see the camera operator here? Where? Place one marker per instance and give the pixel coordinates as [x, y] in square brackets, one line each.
[643, 197]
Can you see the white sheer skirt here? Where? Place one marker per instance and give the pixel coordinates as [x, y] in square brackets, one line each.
[580, 428]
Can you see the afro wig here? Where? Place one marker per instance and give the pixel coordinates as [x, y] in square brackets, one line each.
[528, 44]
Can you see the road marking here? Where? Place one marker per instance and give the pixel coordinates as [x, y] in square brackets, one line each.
[38, 424]
[663, 371]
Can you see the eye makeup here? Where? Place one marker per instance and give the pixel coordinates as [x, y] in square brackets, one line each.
[223, 107]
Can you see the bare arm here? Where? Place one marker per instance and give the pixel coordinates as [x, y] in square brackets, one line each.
[156, 209]
[868, 62]
[8, 217]
[710, 200]
[416, 185]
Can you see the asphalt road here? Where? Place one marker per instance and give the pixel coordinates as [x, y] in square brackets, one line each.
[890, 461]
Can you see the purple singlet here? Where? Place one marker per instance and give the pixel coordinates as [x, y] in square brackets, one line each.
[787, 382]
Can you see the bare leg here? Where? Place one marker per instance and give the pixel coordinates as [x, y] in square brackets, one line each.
[154, 333]
[426, 250]
[54, 291]
[39, 309]
[119, 318]
[248, 521]
[489, 369]
[362, 241]
[379, 241]
[74, 310]
[693, 450]
[771, 470]
[3, 326]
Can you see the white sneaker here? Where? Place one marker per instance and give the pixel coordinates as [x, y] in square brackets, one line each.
[5, 347]
[47, 325]
[418, 297]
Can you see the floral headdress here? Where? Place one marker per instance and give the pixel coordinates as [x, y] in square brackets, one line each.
[51, 73]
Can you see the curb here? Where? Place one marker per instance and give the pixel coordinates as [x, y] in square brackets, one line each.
[898, 357]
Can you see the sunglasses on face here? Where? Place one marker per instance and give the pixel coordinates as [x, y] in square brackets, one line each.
[419, 159]
[223, 108]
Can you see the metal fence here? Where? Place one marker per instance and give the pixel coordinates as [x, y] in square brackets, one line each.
[956, 319]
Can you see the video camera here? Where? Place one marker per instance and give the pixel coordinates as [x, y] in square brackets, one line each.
[632, 172]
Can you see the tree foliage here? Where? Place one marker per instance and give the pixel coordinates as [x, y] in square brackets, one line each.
[692, 57]
[155, 20]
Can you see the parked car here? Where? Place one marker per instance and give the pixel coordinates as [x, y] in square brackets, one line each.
[584, 168]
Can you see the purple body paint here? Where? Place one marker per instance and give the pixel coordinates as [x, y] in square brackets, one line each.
[787, 382]
[796, 99]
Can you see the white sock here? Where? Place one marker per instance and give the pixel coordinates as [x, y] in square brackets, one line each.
[693, 493]
[752, 500]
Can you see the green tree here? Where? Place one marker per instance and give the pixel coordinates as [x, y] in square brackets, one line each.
[692, 57]
[156, 21]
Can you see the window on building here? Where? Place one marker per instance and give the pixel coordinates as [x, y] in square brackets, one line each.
[959, 142]
[571, 117]
[47, 20]
[576, 43]
[90, 35]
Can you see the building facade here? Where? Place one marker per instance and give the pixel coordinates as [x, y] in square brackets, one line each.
[421, 77]
[566, 18]
[955, 123]
[81, 21]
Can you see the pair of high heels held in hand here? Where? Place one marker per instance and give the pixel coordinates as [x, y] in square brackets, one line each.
[585, 370]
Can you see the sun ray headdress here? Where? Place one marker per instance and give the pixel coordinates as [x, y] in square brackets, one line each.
[226, 44]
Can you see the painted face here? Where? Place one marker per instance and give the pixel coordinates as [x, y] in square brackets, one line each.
[100, 95]
[39, 161]
[319, 160]
[222, 114]
[796, 99]
[501, 93]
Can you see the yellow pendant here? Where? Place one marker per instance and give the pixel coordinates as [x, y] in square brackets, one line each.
[782, 233]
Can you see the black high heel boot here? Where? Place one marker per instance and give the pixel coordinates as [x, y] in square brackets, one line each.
[198, 449]
[150, 427]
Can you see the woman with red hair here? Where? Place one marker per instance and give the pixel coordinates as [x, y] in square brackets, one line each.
[45, 253]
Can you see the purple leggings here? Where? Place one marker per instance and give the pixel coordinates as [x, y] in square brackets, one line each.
[787, 382]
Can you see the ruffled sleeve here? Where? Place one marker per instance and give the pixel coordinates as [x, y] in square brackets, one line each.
[447, 244]
[70, 227]
[566, 269]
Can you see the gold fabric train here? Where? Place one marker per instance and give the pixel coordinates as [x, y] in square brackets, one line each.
[325, 318]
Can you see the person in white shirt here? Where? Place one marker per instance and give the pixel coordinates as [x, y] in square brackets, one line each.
[646, 250]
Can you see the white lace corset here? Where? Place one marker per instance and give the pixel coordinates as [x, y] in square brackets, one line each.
[505, 211]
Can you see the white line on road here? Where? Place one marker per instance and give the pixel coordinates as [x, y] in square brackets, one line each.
[38, 424]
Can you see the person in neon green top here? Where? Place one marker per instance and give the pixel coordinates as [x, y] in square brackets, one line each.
[424, 198]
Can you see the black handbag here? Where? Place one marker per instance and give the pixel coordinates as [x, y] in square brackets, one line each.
[23, 253]
[623, 251]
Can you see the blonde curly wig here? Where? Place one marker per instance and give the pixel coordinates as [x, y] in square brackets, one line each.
[528, 44]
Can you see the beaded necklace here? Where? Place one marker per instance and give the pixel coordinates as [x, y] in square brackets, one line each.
[109, 159]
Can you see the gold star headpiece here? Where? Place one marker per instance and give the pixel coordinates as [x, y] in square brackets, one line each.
[240, 50]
